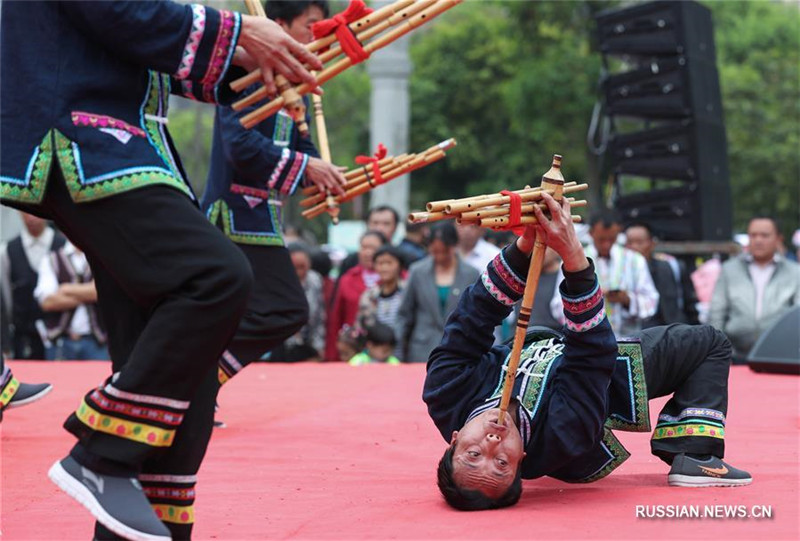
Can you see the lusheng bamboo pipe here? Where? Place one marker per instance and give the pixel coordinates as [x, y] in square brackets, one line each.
[503, 221]
[365, 172]
[325, 153]
[373, 31]
[265, 111]
[419, 162]
[361, 24]
[495, 200]
[436, 206]
[386, 171]
[552, 181]
[505, 210]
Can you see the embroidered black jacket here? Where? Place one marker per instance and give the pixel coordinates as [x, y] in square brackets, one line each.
[571, 389]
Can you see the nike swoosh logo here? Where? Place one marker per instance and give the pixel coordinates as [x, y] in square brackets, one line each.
[714, 472]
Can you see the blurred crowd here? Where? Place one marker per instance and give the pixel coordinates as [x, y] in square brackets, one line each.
[387, 302]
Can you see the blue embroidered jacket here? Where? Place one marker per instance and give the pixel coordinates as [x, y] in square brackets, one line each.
[83, 88]
[571, 389]
[252, 172]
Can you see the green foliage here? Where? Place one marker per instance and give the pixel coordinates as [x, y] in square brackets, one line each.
[758, 55]
[191, 126]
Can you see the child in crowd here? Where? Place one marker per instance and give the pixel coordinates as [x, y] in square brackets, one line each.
[380, 344]
[349, 342]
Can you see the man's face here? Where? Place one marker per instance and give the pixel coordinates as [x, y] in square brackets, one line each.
[300, 27]
[383, 221]
[33, 224]
[388, 268]
[301, 264]
[639, 240]
[487, 454]
[469, 235]
[604, 238]
[764, 239]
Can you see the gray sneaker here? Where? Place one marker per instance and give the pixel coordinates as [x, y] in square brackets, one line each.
[27, 393]
[712, 472]
[116, 502]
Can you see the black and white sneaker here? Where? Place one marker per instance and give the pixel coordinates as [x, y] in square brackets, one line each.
[27, 393]
[116, 502]
[711, 472]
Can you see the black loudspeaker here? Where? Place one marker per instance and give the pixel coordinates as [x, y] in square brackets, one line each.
[692, 156]
[665, 89]
[778, 349]
[657, 28]
[672, 88]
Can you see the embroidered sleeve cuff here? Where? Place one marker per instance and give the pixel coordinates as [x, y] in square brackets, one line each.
[504, 277]
[208, 52]
[585, 310]
[578, 283]
[290, 170]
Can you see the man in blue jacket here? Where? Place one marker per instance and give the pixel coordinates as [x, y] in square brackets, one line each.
[570, 390]
[252, 173]
[85, 88]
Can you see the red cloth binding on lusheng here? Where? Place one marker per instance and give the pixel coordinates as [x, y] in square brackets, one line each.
[514, 213]
[376, 169]
[339, 24]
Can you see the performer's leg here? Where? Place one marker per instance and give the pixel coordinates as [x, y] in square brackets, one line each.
[169, 479]
[190, 281]
[190, 285]
[276, 310]
[692, 362]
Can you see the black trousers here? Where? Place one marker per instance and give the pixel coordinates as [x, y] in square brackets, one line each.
[692, 363]
[171, 290]
[277, 309]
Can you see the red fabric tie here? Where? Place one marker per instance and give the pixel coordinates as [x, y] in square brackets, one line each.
[514, 213]
[380, 154]
[339, 24]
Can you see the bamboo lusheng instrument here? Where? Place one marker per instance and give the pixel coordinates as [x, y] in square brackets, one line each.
[365, 174]
[461, 206]
[325, 153]
[386, 170]
[361, 24]
[408, 167]
[407, 24]
[363, 180]
[552, 180]
[438, 206]
[496, 205]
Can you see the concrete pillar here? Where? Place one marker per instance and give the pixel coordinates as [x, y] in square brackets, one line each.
[390, 114]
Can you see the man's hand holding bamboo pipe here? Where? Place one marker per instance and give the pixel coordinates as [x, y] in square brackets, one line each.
[557, 232]
[326, 176]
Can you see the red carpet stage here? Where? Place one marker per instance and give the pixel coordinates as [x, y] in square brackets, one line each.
[340, 452]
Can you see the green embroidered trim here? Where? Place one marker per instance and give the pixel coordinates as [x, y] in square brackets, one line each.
[220, 212]
[81, 193]
[688, 430]
[633, 352]
[617, 450]
[151, 126]
[33, 192]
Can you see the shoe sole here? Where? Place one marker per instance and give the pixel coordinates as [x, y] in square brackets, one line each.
[33, 398]
[678, 480]
[76, 490]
